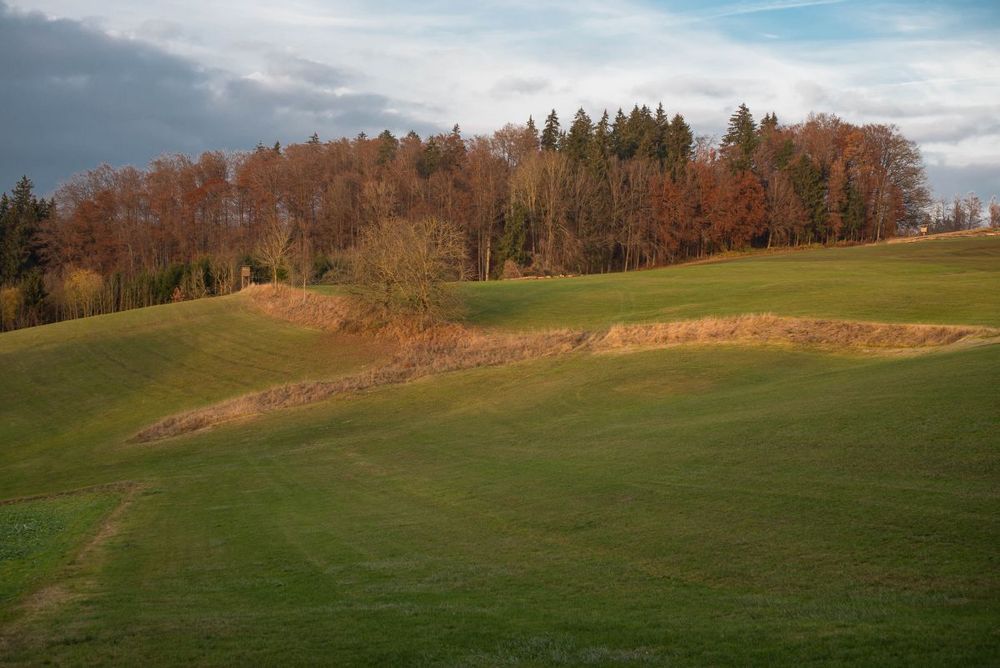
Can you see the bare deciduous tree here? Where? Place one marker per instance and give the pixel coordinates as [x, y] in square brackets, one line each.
[274, 245]
[402, 267]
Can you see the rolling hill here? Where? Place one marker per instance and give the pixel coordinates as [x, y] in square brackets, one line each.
[711, 503]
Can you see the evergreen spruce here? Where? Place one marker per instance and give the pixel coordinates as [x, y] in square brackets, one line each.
[600, 145]
[662, 132]
[532, 131]
[551, 133]
[577, 144]
[680, 145]
[387, 146]
[740, 139]
[619, 132]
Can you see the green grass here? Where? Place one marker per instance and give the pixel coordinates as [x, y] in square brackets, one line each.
[79, 388]
[952, 281]
[693, 505]
[39, 536]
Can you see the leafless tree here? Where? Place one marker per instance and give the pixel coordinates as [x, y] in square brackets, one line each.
[403, 267]
[274, 245]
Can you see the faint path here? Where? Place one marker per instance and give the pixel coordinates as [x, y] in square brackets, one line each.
[56, 595]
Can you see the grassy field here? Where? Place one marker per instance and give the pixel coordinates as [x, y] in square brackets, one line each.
[953, 281]
[40, 536]
[698, 504]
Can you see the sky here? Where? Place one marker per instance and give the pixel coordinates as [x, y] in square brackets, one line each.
[87, 82]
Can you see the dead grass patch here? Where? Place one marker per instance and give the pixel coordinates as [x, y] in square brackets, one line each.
[767, 328]
[454, 347]
[301, 307]
[978, 232]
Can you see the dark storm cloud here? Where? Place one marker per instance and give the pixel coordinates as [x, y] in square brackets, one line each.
[75, 97]
[308, 71]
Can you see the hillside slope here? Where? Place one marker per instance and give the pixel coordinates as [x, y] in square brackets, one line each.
[945, 281]
[701, 504]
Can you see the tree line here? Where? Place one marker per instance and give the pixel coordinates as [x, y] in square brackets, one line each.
[639, 190]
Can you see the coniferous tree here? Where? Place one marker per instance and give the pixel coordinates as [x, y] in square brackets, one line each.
[811, 189]
[740, 139]
[768, 124]
[647, 134]
[515, 234]
[551, 133]
[430, 158]
[577, 144]
[680, 144]
[619, 138]
[532, 131]
[20, 246]
[387, 147]
[453, 152]
[662, 132]
[600, 145]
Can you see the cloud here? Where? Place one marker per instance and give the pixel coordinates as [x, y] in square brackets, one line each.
[75, 96]
[340, 66]
[308, 71]
[951, 180]
[740, 9]
[520, 85]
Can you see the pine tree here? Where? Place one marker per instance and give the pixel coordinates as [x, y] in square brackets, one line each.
[662, 132]
[6, 237]
[811, 189]
[740, 139]
[619, 135]
[515, 234]
[532, 131]
[551, 133]
[768, 124]
[430, 158]
[20, 247]
[387, 146]
[454, 149]
[577, 144]
[600, 145]
[680, 144]
[645, 132]
[314, 139]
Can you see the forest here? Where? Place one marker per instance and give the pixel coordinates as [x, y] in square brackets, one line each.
[636, 191]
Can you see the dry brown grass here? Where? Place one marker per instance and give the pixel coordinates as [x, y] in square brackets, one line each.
[978, 232]
[302, 307]
[454, 347]
[767, 328]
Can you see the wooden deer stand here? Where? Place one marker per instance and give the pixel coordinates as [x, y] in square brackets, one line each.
[246, 278]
